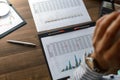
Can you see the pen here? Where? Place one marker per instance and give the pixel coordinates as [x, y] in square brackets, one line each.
[80, 27]
[22, 43]
[72, 28]
[56, 32]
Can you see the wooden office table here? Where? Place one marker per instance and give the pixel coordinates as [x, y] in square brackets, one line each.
[26, 63]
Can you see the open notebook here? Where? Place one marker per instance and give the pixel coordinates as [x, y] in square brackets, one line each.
[54, 14]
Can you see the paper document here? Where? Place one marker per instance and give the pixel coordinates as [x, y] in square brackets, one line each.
[9, 21]
[52, 14]
[64, 52]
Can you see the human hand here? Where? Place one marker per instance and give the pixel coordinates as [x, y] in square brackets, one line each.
[106, 45]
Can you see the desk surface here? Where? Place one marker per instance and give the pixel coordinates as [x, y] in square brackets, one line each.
[26, 63]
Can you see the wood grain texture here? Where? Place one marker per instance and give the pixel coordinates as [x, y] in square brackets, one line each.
[26, 63]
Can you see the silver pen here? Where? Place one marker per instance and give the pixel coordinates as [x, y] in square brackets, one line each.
[22, 43]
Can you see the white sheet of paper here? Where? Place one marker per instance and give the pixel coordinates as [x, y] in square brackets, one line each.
[52, 14]
[9, 21]
[3, 1]
[64, 52]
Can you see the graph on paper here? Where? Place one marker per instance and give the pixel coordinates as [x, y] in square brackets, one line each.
[10, 22]
[55, 5]
[70, 66]
[64, 52]
[52, 5]
[52, 14]
[7, 21]
[70, 45]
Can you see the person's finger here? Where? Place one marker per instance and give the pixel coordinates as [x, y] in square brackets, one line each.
[104, 24]
[114, 56]
[97, 24]
[114, 52]
[110, 34]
